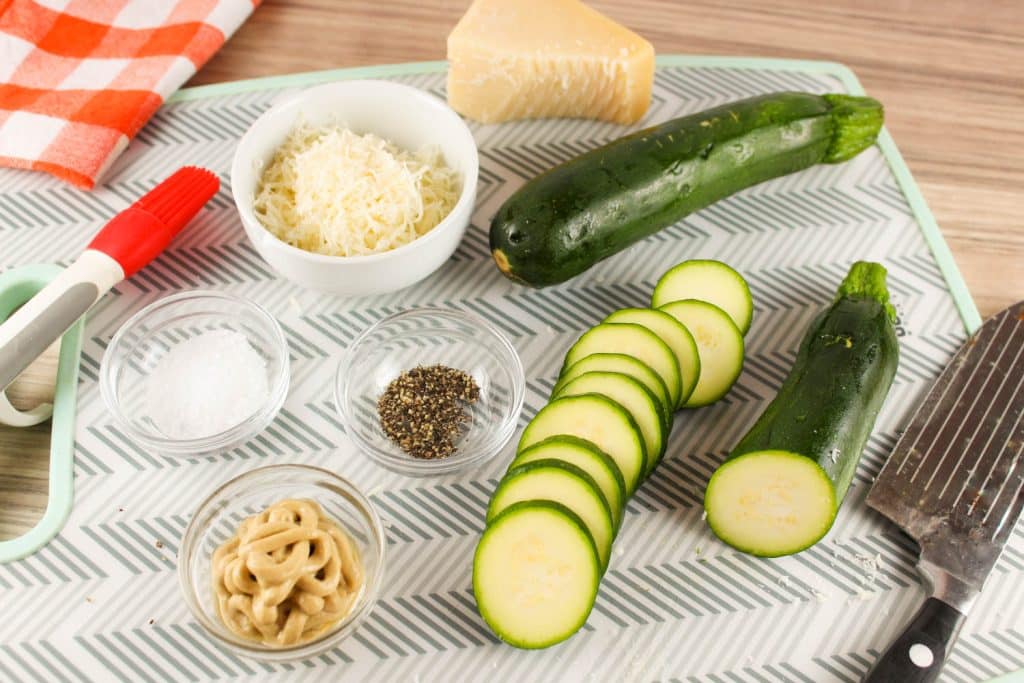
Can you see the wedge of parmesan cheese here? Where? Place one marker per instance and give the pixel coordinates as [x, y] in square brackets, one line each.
[518, 59]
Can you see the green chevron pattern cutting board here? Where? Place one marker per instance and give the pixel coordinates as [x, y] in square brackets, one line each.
[101, 601]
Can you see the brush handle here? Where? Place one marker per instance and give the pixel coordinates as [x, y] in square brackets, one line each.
[47, 316]
[128, 242]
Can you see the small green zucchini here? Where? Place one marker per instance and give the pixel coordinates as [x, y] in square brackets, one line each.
[584, 210]
[778, 491]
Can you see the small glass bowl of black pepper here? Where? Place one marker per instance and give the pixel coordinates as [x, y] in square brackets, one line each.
[430, 391]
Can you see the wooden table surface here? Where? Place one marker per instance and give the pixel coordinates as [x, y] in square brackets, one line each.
[948, 71]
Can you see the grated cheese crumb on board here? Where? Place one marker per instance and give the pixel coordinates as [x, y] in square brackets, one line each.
[331, 191]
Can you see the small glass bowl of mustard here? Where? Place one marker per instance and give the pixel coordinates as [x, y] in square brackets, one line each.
[218, 519]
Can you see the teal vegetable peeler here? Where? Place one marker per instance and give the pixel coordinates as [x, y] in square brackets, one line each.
[39, 304]
[17, 286]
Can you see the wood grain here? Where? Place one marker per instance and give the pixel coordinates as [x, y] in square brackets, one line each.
[25, 453]
[948, 71]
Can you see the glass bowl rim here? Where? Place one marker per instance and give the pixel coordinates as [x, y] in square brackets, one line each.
[239, 432]
[422, 467]
[192, 537]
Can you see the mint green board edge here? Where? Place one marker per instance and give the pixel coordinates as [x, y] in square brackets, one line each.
[17, 286]
[1013, 677]
[940, 250]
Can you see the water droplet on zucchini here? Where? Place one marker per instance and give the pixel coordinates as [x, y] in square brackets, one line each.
[741, 152]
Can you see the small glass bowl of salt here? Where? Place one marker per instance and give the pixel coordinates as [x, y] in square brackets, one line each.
[196, 372]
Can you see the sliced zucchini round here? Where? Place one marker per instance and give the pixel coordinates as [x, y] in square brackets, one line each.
[719, 344]
[599, 420]
[560, 482]
[626, 365]
[587, 457]
[633, 340]
[770, 503]
[711, 281]
[632, 396]
[535, 574]
[675, 335]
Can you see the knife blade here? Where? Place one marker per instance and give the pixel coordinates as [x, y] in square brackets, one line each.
[955, 484]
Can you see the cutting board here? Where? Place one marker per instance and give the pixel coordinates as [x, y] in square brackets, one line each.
[101, 601]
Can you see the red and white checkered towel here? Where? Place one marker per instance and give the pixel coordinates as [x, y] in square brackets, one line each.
[78, 78]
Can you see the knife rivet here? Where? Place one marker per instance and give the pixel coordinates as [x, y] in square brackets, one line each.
[921, 655]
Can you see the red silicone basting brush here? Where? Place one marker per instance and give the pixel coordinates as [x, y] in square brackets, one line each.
[128, 242]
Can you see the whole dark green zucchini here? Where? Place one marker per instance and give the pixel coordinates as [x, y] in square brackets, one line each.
[778, 491]
[588, 208]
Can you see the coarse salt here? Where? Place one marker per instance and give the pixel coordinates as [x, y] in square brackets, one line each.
[207, 384]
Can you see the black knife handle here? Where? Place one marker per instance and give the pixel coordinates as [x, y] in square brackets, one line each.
[917, 655]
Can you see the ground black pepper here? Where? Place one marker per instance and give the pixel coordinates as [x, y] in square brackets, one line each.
[424, 409]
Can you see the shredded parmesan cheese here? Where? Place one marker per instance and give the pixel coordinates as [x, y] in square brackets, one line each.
[331, 191]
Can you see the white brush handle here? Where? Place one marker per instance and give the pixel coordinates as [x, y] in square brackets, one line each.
[30, 330]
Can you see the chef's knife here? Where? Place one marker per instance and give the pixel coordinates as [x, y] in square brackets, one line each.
[129, 241]
[955, 483]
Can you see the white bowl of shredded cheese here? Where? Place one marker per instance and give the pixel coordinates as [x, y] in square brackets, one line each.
[356, 187]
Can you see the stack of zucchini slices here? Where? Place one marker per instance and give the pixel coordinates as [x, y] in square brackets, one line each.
[554, 515]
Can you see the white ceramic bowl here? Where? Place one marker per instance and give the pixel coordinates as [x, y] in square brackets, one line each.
[406, 116]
